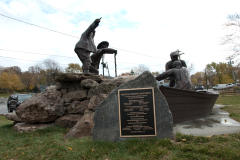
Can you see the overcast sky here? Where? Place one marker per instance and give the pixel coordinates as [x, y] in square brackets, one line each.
[143, 32]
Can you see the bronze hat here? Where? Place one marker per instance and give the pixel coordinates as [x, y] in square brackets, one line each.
[102, 44]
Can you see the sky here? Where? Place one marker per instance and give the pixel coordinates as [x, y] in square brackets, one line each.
[144, 32]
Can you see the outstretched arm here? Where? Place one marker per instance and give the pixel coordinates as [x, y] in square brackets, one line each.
[93, 26]
[165, 75]
[108, 51]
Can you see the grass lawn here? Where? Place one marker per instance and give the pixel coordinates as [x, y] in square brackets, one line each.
[50, 144]
[232, 105]
[5, 95]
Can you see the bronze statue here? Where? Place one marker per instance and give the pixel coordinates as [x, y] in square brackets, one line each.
[179, 74]
[175, 56]
[86, 45]
[102, 48]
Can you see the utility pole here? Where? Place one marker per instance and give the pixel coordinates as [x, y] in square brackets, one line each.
[108, 70]
[206, 78]
[115, 62]
[103, 64]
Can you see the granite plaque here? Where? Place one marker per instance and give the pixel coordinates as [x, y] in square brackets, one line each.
[137, 112]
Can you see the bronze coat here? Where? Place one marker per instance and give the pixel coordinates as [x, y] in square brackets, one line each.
[86, 41]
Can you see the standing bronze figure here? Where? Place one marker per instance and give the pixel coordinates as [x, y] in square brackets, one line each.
[86, 45]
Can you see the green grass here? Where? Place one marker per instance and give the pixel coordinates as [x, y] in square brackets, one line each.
[50, 144]
[232, 105]
[8, 94]
[5, 94]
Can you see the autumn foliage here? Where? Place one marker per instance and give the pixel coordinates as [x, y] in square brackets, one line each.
[216, 73]
[10, 82]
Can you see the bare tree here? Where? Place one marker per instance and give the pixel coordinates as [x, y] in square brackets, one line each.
[35, 69]
[51, 68]
[140, 69]
[232, 38]
[13, 69]
[190, 68]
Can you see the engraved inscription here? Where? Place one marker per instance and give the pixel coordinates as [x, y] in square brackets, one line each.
[137, 112]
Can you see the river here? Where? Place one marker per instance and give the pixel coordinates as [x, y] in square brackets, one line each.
[3, 105]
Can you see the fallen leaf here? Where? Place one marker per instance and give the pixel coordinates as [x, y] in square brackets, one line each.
[184, 140]
[70, 148]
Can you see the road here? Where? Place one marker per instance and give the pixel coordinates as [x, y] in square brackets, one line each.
[3, 105]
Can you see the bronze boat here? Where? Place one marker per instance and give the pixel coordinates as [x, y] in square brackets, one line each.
[188, 105]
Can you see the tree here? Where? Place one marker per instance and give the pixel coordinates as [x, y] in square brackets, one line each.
[13, 69]
[10, 82]
[155, 73]
[190, 68]
[35, 69]
[140, 69]
[41, 74]
[219, 73]
[232, 38]
[51, 68]
[198, 78]
[29, 80]
[73, 68]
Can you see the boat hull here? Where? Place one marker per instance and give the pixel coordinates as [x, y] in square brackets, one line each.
[188, 105]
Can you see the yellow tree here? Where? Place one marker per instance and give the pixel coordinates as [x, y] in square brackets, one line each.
[198, 78]
[10, 82]
[220, 73]
[73, 68]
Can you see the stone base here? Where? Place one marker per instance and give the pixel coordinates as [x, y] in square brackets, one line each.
[13, 117]
[23, 127]
[106, 117]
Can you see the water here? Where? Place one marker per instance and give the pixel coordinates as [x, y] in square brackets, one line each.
[3, 105]
[229, 122]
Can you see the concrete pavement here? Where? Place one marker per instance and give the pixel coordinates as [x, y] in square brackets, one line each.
[217, 123]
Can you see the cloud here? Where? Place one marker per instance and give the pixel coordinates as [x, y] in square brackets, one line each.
[144, 32]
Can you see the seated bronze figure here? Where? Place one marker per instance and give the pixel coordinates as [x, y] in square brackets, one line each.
[179, 74]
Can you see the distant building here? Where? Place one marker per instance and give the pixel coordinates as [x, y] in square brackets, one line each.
[126, 74]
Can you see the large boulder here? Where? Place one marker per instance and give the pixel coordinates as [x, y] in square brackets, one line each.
[13, 117]
[107, 86]
[83, 127]
[96, 100]
[89, 83]
[42, 108]
[23, 127]
[77, 107]
[68, 121]
[72, 81]
[77, 95]
[106, 119]
[71, 77]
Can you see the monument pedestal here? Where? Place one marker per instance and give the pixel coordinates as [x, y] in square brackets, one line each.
[136, 109]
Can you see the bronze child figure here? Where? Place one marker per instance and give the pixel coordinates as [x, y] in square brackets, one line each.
[102, 48]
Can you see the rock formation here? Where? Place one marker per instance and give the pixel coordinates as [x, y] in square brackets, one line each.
[70, 104]
[75, 98]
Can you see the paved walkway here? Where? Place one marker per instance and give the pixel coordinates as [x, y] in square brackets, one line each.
[217, 123]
